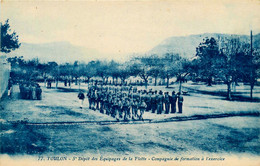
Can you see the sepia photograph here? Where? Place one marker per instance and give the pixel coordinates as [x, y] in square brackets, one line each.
[125, 82]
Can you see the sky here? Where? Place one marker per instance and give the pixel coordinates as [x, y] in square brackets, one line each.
[123, 28]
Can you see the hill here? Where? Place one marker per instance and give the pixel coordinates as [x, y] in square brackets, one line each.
[186, 45]
[60, 52]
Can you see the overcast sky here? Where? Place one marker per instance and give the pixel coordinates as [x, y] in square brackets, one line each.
[127, 27]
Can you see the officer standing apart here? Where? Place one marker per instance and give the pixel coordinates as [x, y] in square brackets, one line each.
[173, 99]
[81, 97]
[180, 102]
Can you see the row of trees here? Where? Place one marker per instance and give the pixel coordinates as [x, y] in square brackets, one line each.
[153, 66]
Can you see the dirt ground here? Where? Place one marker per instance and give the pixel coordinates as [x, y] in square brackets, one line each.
[56, 125]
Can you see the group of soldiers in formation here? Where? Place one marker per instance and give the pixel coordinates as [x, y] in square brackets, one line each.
[30, 90]
[127, 103]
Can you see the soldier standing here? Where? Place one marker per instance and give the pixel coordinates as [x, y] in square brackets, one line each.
[97, 97]
[134, 108]
[118, 105]
[153, 102]
[10, 84]
[30, 91]
[167, 102]
[180, 102]
[93, 99]
[110, 103]
[34, 91]
[142, 108]
[89, 98]
[38, 92]
[105, 101]
[126, 108]
[113, 107]
[148, 101]
[173, 99]
[160, 102]
[101, 100]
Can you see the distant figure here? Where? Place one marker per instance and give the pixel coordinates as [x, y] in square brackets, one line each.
[65, 82]
[34, 92]
[69, 83]
[38, 92]
[30, 92]
[173, 99]
[180, 102]
[10, 84]
[49, 84]
[81, 97]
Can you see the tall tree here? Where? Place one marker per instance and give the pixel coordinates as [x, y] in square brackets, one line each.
[9, 40]
[124, 72]
[208, 53]
[141, 67]
[239, 61]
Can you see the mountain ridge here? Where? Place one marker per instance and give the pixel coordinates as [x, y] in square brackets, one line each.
[61, 52]
[186, 45]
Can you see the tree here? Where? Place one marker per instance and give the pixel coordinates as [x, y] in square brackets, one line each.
[102, 70]
[155, 73]
[253, 72]
[141, 67]
[168, 71]
[90, 70]
[183, 69]
[9, 40]
[113, 71]
[253, 65]
[53, 70]
[235, 62]
[208, 53]
[124, 72]
[157, 64]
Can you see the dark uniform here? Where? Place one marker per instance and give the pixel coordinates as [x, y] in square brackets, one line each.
[89, 95]
[110, 103]
[142, 107]
[98, 99]
[38, 92]
[126, 109]
[153, 102]
[105, 102]
[148, 101]
[93, 99]
[101, 100]
[134, 109]
[167, 103]
[159, 103]
[173, 99]
[180, 103]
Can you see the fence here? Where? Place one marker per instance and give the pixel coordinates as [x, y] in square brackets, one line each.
[4, 75]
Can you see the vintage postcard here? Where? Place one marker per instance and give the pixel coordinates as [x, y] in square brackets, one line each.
[125, 82]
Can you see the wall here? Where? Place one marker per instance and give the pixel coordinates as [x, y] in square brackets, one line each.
[4, 75]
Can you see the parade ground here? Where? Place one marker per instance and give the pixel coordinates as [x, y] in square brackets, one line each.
[56, 125]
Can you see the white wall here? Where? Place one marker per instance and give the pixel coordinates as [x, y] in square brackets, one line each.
[4, 75]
